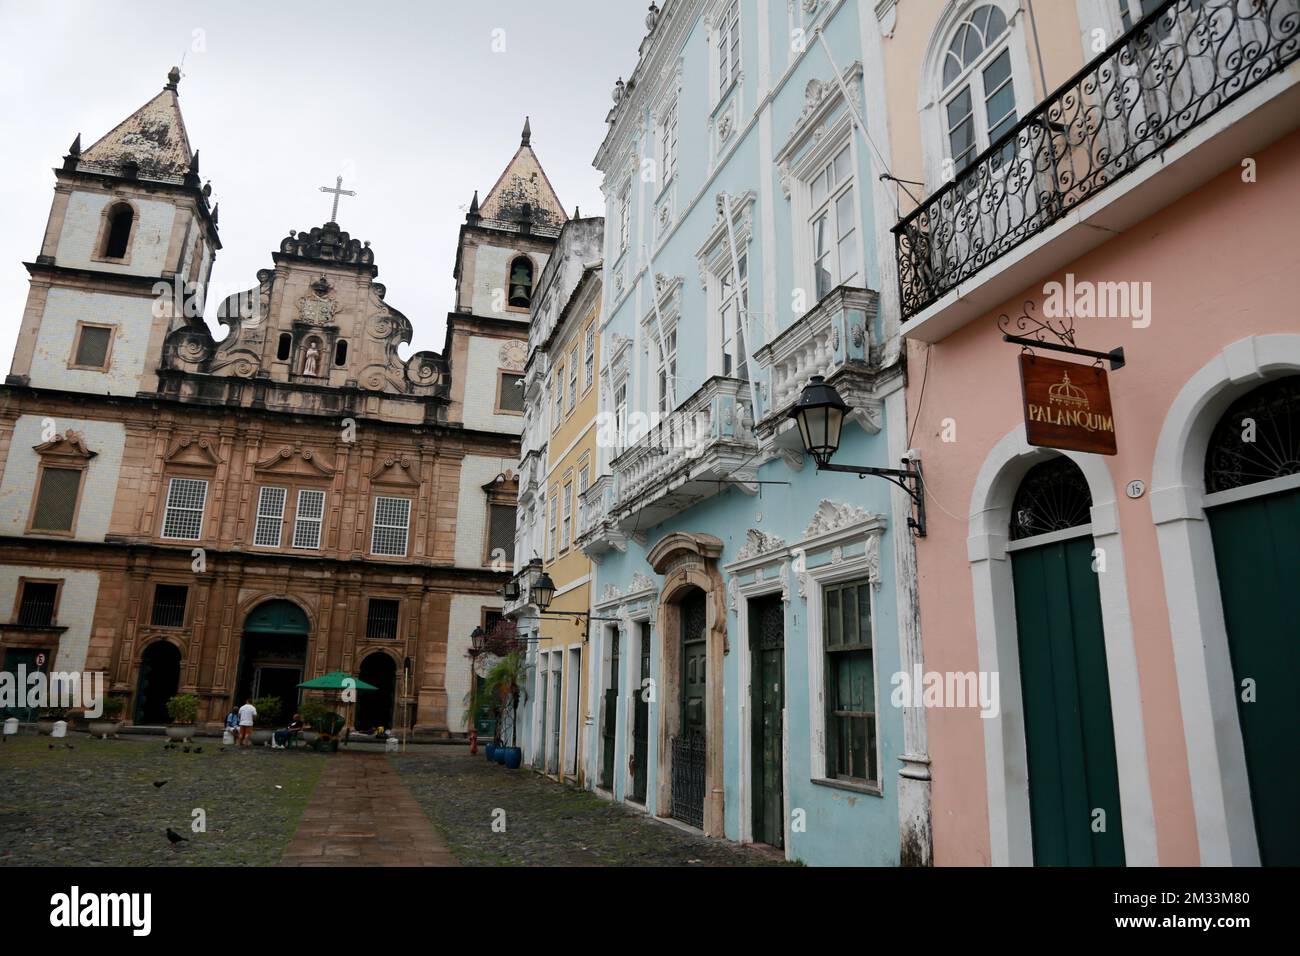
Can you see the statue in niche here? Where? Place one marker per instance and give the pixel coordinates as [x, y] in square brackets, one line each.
[311, 361]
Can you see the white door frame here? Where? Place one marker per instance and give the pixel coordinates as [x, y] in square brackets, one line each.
[1216, 757]
[1005, 755]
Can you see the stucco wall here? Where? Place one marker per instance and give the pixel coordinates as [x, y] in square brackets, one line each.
[150, 234]
[75, 612]
[132, 318]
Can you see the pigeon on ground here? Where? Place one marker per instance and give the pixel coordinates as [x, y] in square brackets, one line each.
[198, 750]
[160, 783]
[175, 837]
[51, 746]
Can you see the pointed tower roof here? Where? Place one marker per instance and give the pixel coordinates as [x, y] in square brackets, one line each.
[153, 138]
[522, 184]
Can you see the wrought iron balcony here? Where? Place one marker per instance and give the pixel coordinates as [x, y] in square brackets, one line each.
[704, 445]
[1175, 68]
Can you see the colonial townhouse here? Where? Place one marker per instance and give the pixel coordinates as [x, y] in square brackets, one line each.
[230, 517]
[557, 463]
[758, 607]
[1114, 494]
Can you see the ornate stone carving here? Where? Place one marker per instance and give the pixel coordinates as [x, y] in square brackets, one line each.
[610, 593]
[328, 244]
[832, 516]
[733, 588]
[758, 542]
[640, 582]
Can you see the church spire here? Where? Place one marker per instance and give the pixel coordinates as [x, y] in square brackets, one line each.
[526, 138]
[473, 214]
[152, 140]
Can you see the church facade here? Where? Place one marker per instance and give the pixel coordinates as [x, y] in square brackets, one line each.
[230, 517]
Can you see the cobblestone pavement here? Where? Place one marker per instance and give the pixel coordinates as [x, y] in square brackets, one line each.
[362, 815]
[96, 804]
[546, 823]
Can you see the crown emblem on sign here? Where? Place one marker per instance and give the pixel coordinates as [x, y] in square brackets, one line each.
[1063, 393]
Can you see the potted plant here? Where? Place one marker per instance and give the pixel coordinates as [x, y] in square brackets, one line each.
[503, 684]
[109, 723]
[183, 711]
[47, 717]
[268, 714]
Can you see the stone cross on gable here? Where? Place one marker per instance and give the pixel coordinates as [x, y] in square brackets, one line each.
[338, 191]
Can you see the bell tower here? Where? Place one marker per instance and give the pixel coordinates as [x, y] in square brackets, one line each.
[126, 257]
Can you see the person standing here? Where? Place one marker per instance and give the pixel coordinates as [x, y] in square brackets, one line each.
[247, 714]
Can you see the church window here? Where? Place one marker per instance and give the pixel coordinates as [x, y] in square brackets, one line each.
[381, 619]
[284, 346]
[392, 520]
[116, 243]
[270, 517]
[501, 533]
[169, 605]
[56, 499]
[38, 602]
[183, 519]
[510, 392]
[341, 353]
[91, 350]
[308, 519]
[521, 283]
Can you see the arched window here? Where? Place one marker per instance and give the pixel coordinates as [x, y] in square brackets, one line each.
[1257, 439]
[341, 352]
[1053, 496]
[978, 93]
[521, 283]
[116, 243]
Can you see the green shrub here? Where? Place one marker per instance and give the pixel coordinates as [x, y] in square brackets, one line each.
[268, 711]
[114, 705]
[183, 709]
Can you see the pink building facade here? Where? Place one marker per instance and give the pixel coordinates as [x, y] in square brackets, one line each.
[1130, 172]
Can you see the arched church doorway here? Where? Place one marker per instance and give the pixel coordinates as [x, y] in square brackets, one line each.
[1253, 506]
[375, 707]
[160, 679]
[273, 654]
[1074, 797]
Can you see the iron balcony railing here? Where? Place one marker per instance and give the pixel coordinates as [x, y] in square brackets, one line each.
[1175, 68]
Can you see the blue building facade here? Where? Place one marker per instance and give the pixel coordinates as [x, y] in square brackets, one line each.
[752, 611]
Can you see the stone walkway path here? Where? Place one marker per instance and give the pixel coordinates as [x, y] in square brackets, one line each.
[361, 814]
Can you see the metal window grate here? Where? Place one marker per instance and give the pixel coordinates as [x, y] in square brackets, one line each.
[169, 602]
[270, 517]
[308, 519]
[501, 531]
[392, 519]
[92, 346]
[184, 517]
[56, 504]
[381, 619]
[37, 606]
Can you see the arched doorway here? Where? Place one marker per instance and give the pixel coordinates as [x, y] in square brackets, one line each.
[1074, 797]
[160, 679]
[273, 654]
[375, 707]
[1252, 504]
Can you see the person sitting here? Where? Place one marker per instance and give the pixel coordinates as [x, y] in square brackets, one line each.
[232, 723]
[283, 738]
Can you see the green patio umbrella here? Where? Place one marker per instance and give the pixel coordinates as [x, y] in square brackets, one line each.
[334, 680]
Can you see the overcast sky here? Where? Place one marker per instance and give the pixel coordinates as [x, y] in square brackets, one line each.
[409, 100]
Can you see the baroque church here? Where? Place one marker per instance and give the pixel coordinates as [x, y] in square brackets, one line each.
[228, 517]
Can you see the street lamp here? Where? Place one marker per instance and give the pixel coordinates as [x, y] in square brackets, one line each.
[542, 591]
[510, 590]
[477, 637]
[819, 414]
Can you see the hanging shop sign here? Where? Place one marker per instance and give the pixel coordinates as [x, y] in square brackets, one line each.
[1067, 405]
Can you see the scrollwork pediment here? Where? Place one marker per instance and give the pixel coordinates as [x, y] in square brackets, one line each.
[295, 462]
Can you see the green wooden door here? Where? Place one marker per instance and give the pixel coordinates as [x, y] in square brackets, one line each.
[767, 702]
[694, 664]
[641, 724]
[1257, 549]
[1069, 732]
[26, 658]
[609, 737]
